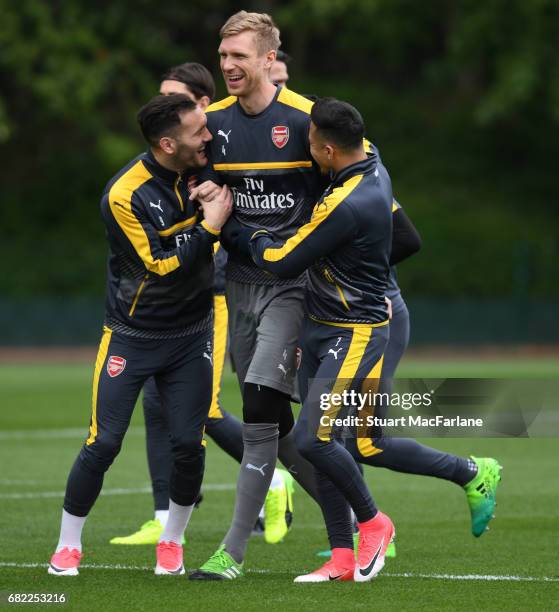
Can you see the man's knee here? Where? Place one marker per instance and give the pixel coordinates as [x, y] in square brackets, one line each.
[99, 456]
[187, 447]
[263, 404]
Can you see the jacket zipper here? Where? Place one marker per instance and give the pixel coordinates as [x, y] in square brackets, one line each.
[329, 278]
[177, 183]
[137, 296]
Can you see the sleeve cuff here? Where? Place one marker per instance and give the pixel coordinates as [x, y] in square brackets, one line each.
[209, 229]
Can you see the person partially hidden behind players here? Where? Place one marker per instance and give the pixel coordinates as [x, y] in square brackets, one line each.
[279, 74]
[158, 321]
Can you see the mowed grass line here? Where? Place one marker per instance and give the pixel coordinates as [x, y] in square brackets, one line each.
[431, 519]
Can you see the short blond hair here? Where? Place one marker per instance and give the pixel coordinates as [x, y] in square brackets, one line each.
[267, 34]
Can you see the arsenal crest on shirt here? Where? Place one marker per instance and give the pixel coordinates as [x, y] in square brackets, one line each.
[115, 365]
[280, 135]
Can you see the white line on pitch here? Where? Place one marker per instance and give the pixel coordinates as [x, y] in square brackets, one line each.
[474, 577]
[144, 568]
[49, 494]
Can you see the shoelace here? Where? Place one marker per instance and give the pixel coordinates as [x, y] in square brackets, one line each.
[221, 558]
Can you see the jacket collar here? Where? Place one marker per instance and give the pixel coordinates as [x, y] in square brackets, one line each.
[169, 176]
[366, 166]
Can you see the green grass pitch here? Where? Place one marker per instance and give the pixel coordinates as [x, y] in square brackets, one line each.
[440, 566]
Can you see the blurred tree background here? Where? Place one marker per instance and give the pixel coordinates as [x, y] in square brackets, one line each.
[461, 96]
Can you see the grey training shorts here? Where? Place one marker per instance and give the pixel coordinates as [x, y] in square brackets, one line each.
[264, 326]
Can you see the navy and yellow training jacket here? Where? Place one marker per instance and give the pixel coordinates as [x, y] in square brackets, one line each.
[345, 247]
[160, 265]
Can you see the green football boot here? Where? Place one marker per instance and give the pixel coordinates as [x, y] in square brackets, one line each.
[481, 491]
[149, 533]
[220, 566]
[278, 510]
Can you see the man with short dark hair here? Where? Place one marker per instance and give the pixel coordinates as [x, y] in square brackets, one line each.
[192, 79]
[158, 321]
[195, 81]
[345, 248]
[479, 477]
